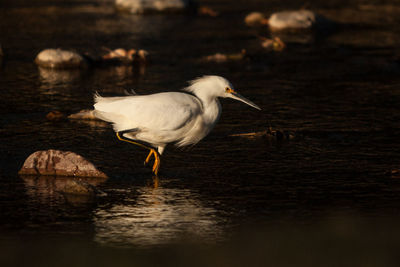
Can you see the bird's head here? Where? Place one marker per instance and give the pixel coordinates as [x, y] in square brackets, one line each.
[209, 87]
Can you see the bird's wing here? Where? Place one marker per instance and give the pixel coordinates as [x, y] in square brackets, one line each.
[161, 112]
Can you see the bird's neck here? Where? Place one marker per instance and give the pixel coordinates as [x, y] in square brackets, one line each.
[211, 109]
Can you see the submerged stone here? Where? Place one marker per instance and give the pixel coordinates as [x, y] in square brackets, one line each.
[150, 6]
[59, 163]
[58, 58]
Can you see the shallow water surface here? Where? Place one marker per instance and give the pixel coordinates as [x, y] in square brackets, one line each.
[338, 92]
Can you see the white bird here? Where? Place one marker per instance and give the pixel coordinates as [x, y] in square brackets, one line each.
[158, 119]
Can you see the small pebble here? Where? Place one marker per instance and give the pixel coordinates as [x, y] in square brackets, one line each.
[55, 115]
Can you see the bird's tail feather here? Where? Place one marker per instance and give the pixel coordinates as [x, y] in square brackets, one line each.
[130, 92]
[97, 97]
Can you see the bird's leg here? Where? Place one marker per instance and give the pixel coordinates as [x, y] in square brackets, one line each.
[132, 142]
[157, 161]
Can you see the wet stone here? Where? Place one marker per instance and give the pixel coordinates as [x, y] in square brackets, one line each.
[59, 163]
[292, 20]
[60, 59]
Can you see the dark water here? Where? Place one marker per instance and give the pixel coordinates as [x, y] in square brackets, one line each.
[339, 92]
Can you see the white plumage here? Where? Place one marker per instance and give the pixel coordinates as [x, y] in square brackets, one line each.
[183, 118]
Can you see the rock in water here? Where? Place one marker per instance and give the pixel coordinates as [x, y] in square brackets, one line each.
[59, 163]
[58, 58]
[149, 6]
[84, 114]
[294, 20]
[255, 19]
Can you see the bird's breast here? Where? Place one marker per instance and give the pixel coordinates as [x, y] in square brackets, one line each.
[202, 125]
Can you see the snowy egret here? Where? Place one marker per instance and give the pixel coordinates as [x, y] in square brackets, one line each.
[156, 120]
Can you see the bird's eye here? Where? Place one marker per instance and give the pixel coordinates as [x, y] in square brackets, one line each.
[228, 90]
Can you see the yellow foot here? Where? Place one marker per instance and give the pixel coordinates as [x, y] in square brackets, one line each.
[157, 161]
[152, 152]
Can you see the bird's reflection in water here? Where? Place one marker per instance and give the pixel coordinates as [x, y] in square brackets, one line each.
[157, 216]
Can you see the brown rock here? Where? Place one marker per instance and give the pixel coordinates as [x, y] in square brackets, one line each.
[55, 115]
[120, 54]
[84, 114]
[59, 163]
